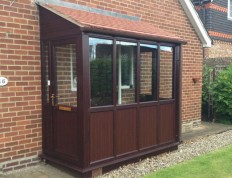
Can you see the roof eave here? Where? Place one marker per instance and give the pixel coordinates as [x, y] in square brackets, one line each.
[88, 28]
[132, 35]
[196, 23]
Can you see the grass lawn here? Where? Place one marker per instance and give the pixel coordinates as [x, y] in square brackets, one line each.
[217, 164]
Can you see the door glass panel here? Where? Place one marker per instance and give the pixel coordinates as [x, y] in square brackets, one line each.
[46, 72]
[166, 73]
[148, 72]
[66, 75]
[101, 71]
[126, 71]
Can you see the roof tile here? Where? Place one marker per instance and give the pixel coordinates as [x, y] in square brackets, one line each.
[109, 23]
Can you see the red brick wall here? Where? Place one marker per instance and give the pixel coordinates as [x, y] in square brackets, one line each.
[128, 96]
[20, 100]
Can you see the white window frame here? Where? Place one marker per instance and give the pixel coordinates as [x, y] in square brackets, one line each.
[229, 10]
[73, 78]
[131, 71]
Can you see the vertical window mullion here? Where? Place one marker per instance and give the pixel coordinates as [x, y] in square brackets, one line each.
[138, 83]
[158, 74]
[114, 74]
[174, 73]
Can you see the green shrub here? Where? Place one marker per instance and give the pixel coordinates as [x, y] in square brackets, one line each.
[101, 76]
[222, 95]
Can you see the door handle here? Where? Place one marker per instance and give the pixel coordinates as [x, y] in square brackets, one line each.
[53, 99]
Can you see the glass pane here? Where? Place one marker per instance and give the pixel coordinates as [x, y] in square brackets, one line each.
[101, 71]
[66, 75]
[148, 72]
[126, 71]
[46, 72]
[166, 73]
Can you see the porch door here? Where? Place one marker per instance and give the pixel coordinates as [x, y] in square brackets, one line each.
[63, 101]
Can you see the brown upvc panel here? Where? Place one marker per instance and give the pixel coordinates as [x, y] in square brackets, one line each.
[101, 136]
[167, 123]
[65, 131]
[125, 131]
[148, 127]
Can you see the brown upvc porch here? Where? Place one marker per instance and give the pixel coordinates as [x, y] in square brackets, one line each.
[109, 95]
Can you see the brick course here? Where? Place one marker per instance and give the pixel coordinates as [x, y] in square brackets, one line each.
[20, 100]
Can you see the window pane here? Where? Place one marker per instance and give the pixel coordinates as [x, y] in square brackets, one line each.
[101, 71]
[66, 74]
[126, 71]
[148, 72]
[166, 73]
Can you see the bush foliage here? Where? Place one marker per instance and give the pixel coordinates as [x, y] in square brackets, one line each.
[222, 95]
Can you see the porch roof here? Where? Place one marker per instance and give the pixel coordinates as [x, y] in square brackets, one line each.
[93, 22]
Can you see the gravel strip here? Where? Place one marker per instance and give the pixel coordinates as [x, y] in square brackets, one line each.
[186, 151]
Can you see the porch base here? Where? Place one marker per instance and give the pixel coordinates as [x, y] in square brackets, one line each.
[187, 126]
[101, 168]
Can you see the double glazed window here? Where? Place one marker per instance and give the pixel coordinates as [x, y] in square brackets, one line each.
[101, 71]
[138, 68]
[148, 72]
[126, 71]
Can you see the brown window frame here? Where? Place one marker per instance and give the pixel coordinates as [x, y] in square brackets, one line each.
[138, 42]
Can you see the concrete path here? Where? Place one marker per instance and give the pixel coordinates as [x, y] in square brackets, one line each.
[206, 128]
[51, 171]
[41, 171]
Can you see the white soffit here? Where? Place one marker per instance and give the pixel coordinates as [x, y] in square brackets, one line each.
[196, 22]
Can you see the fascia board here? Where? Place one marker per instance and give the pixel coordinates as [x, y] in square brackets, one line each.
[196, 23]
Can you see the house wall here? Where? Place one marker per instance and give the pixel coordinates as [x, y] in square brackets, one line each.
[20, 100]
[219, 28]
[217, 22]
[220, 49]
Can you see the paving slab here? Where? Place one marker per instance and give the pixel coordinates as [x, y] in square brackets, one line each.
[206, 129]
[42, 171]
